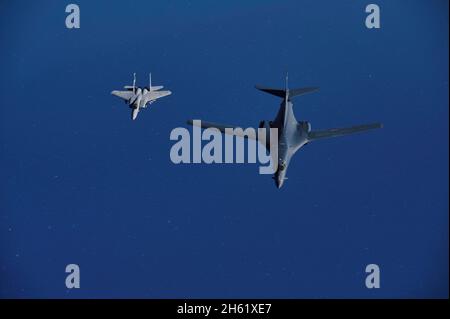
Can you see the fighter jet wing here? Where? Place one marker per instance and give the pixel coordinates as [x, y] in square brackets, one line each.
[126, 95]
[153, 95]
[334, 132]
[221, 127]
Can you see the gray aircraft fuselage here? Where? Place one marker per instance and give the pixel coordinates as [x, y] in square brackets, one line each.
[291, 137]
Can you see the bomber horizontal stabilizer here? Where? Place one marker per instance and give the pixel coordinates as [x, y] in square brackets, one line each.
[292, 92]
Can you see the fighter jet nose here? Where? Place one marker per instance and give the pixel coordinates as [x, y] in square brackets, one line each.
[134, 114]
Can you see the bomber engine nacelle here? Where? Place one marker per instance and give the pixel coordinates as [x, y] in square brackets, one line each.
[305, 126]
[267, 126]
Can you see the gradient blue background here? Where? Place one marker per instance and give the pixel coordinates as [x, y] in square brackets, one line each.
[81, 183]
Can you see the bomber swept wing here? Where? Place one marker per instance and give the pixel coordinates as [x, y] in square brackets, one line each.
[335, 132]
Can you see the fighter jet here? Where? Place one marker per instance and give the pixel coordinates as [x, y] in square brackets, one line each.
[139, 98]
[292, 135]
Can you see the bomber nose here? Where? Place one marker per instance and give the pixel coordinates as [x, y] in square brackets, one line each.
[279, 182]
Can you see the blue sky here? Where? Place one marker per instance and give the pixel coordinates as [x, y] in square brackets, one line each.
[81, 183]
